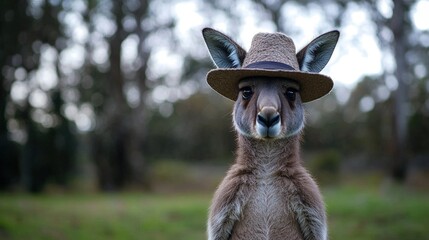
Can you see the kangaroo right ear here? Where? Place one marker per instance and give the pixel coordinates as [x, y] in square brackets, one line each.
[315, 56]
[224, 51]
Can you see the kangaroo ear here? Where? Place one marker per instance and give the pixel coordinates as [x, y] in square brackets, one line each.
[315, 56]
[224, 51]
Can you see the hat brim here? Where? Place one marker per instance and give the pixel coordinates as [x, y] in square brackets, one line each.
[312, 85]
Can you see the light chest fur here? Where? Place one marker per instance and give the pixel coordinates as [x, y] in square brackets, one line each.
[267, 213]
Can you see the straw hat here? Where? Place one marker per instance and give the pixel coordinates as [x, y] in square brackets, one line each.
[270, 55]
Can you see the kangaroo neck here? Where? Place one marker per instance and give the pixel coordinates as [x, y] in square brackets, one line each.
[276, 152]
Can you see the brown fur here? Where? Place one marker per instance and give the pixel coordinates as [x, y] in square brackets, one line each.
[267, 193]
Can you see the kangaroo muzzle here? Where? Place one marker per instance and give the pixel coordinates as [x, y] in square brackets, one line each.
[268, 124]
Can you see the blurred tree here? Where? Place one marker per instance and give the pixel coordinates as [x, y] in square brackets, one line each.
[104, 90]
[199, 129]
[125, 87]
[419, 121]
[9, 173]
[30, 107]
[118, 139]
[399, 38]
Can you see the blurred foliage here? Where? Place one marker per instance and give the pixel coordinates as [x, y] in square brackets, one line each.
[199, 129]
[325, 167]
[48, 154]
[174, 176]
[118, 85]
[170, 171]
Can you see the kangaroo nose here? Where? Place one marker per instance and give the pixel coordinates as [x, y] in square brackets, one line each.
[268, 118]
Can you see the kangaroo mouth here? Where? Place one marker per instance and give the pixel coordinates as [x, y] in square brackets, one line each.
[265, 132]
[268, 124]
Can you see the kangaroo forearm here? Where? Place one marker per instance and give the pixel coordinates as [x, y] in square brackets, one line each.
[312, 222]
[226, 208]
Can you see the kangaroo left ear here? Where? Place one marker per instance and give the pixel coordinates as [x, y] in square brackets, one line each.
[224, 51]
[315, 56]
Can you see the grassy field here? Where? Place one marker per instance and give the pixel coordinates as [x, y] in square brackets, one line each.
[354, 213]
[360, 213]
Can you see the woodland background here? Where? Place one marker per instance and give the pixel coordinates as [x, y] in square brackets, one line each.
[110, 96]
[108, 88]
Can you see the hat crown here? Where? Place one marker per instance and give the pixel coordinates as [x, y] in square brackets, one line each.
[273, 47]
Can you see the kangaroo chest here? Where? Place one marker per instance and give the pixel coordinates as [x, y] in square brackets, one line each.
[267, 202]
[267, 214]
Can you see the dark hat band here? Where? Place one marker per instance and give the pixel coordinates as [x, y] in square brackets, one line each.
[270, 65]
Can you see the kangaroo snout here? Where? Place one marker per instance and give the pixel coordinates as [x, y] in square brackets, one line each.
[268, 123]
[268, 117]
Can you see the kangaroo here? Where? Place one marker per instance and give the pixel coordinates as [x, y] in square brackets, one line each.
[267, 193]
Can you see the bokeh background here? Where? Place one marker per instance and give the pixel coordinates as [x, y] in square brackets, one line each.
[109, 130]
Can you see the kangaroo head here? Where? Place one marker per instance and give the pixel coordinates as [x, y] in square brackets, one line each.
[269, 105]
[268, 108]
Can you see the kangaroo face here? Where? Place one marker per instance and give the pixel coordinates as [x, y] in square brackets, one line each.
[268, 108]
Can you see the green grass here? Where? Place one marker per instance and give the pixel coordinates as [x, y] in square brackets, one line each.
[354, 213]
[121, 216]
[368, 214]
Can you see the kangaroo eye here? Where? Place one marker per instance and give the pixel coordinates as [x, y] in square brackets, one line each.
[291, 94]
[246, 93]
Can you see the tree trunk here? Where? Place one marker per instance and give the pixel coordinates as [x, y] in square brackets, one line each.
[119, 137]
[398, 23]
[111, 134]
[138, 116]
